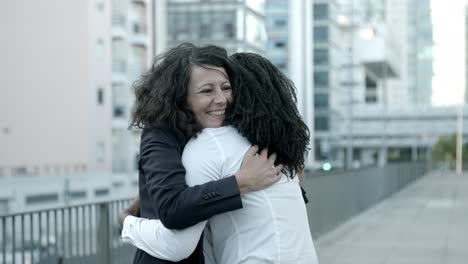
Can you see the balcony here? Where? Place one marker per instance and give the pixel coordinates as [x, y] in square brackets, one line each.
[376, 50]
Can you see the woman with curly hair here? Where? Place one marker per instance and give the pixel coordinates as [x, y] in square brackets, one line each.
[188, 89]
[272, 226]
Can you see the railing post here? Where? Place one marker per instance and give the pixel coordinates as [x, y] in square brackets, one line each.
[103, 246]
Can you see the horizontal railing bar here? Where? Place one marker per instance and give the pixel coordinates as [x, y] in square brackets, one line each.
[65, 207]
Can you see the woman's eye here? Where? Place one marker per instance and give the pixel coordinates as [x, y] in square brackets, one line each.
[227, 88]
[205, 91]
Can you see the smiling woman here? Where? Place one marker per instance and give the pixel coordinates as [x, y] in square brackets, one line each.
[209, 94]
[188, 89]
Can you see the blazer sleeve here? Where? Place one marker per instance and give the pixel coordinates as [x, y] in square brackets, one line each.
[178, 205]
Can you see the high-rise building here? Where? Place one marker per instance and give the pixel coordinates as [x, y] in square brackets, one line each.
[364, 56]
[232, 24]
[289, 31]
[419, 52]
[277, 24]
[327, 55]
[131, 54]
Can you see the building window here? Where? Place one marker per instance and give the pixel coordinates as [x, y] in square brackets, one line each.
[119, 53]
[280, 44]
[321, 79]
[77, 194]
[229, 29]
[321, 123]
[282, 66]
[41, 198]
[204, 31]
[371, 98]
[100, 6]
[320, 11]
[320, 56]
[100, 48]
[100, 96]
[101, 152]
[19, 171]
[371, 90]
[101, 192]
[4, 206]
[118, 111]
[137, 28]
[117, 184]
[321, 101]
[280, 23]
[320, 153]
[321, 34]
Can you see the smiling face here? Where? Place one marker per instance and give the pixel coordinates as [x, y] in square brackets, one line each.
[209, 94]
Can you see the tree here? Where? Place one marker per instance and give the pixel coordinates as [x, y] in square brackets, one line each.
[444, 150]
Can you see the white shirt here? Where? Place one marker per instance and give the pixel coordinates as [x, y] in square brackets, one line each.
[272, 226]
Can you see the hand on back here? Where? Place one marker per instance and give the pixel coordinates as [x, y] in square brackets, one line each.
[257, 171]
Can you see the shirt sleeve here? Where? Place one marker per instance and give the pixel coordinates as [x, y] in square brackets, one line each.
[152, 237]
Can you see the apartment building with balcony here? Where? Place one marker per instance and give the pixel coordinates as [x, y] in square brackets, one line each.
[370, 60]
[391, 66]
[132, 53]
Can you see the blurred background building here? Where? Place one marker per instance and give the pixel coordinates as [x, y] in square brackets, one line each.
[362, 68]
[234, 25]
[131, 53]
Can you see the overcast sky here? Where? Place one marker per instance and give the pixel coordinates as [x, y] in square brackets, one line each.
[449, 51]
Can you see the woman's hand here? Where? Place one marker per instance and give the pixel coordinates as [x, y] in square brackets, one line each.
[300, 174]
[257, 171]
[132, 209]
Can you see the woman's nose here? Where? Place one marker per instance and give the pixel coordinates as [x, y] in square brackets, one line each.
[220, 97]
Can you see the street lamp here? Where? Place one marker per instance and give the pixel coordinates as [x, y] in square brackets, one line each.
[459, 152]
[346, 24]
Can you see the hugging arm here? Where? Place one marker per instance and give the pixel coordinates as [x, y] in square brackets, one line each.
[178, 205]
[151, 236]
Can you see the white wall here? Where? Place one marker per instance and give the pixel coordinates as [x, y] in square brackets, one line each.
[48, 112]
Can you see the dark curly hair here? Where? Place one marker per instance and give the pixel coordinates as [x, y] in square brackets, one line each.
[161, 93]
[264, 111]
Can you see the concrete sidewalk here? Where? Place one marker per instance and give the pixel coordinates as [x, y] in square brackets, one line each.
[425, 223]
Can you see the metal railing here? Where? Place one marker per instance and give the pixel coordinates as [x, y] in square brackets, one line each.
[75, 234]
[89, 233]
[335, 197]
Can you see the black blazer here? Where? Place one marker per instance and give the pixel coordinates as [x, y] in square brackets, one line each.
[165, 195]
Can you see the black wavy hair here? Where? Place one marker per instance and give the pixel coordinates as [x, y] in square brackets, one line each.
[161, 93]
[264, 111]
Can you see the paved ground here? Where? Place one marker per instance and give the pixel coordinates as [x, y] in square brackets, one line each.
[425, 223]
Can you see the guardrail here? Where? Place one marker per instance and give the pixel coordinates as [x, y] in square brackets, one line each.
[88, 233]
[335, 197]
[75, 234]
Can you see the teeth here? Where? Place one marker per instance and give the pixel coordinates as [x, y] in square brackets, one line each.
[216, 112]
